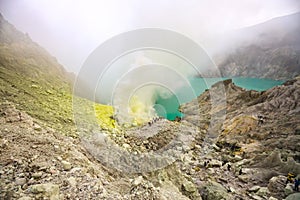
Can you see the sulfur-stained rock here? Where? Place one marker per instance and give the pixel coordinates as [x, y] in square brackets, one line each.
[214, 191]
[66, 165]
[48, 190]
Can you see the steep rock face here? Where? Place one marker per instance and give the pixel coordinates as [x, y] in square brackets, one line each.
[268, 50]
[255, 61]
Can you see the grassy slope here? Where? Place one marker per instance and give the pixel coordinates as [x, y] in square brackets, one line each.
[37, 84]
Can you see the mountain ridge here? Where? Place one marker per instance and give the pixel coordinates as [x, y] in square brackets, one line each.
[267, 50]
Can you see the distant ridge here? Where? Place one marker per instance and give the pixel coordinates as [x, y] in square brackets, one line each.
[267, 50]
[20, 46]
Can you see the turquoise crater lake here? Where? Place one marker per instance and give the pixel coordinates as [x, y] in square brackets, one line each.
[199, 85]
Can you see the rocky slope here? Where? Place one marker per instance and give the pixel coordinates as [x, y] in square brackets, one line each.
[248, 159]
[259, 139]
[238, 147]
[36, 83]
[32, 79]
[39, 163]
[41, 154]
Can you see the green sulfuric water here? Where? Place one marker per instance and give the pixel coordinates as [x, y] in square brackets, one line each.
[199, 85]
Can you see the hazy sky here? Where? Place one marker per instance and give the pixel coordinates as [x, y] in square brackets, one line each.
[71, 29]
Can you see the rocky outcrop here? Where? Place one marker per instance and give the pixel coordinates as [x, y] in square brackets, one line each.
[257, 138]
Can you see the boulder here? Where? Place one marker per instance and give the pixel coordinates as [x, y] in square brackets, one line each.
[254, 188]
[295, 196]
[297, 130]
[72, 181]
[255, 197]
[48, 190]
[66, 165]
[292, 166]
[189, 186]
[244, 178]
[25, 198]
[170, 191]
[215, 163]
[273, 160]
[263, 191]
[214, 191]
[126, 146]
[277, 184]
[288, 189]
[137, 181]
[20, 181]
[37, 175]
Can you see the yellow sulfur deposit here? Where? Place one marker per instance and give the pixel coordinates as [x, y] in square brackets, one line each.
[139, 111]
[104, 115]
[240, 125]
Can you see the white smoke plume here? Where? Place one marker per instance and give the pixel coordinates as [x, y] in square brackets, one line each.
[136, 91]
